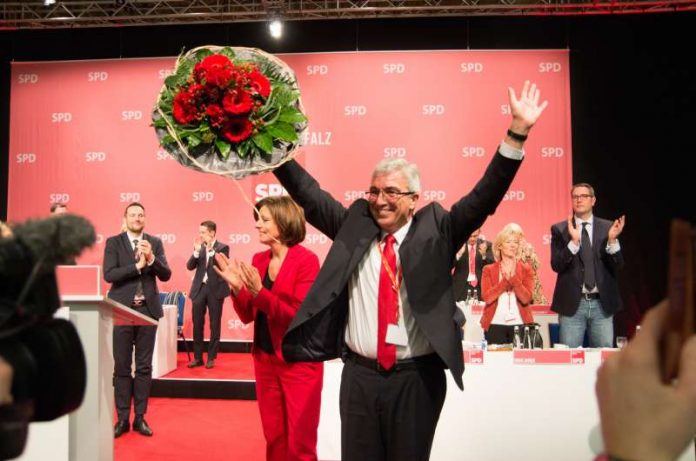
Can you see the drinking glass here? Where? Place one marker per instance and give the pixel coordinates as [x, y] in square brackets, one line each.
[621, 341]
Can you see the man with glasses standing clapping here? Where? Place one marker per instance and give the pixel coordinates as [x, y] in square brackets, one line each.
[383, 298]
[586, 255]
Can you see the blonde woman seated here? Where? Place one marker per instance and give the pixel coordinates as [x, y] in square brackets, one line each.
[506, 288]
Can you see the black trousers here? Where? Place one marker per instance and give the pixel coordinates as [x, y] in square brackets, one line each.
[502, 334]
[204, 299]
[390, 416]
[127, 387]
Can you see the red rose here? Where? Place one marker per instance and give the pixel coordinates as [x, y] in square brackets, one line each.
[260, 83]
[184, 109]
[216, 115]
[237, 129]
[215, 70]
[237, 102]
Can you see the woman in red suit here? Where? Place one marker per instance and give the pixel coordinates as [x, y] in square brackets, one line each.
[506, 288]
[269, 292]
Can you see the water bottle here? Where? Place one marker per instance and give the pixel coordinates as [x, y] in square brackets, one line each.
[484, 344]
[469, 297]
[516, 342]
[527, 339]
[536, 336]
[475, 298]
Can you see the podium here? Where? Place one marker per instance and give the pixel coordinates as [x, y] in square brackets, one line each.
[86, 434]
[91, 426]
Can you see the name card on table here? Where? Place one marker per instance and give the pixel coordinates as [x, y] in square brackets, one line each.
[541, 309]
[548, 357]
[473, 357]
[606, 353]
[79, 280]
[477, 309]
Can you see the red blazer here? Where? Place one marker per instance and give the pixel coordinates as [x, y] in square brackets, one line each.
[281, 303]
[522, 283]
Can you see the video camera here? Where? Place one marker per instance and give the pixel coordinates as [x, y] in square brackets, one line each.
[45, 353]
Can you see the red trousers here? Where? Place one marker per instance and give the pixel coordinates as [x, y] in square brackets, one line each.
[289, 396]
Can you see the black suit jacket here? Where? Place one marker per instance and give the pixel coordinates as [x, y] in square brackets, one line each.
[461, 270]
[216, 285]
[570, 269]
[120, 271]
[427, 255]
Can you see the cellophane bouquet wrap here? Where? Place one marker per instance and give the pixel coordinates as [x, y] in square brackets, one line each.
[230, 111]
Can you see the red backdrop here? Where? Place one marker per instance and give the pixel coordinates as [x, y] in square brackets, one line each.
[80, 133]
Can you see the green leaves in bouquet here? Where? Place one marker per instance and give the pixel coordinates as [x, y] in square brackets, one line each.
[223, 148]
[275, 122]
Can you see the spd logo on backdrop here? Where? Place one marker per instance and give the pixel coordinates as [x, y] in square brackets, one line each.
[394, 68]
[26, 157]
[394, 152]
[24, 79]
[317, 69]
[97, 76]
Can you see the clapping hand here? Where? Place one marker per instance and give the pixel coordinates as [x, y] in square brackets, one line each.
[616, 228]
[483, 247]
[251, 277]
[230, 271]
[573, 231]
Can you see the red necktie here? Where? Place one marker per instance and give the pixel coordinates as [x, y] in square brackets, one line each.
[472, 265]
[388, 303]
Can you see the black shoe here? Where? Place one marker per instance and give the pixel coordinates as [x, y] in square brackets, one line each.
[210, 363]
[141, 426]
[121, 428]
[195, 363]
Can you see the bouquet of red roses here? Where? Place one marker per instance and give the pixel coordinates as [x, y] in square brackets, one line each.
[230, 111]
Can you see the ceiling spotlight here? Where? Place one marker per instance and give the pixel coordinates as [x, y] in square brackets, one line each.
[275, 28]
[49, 2]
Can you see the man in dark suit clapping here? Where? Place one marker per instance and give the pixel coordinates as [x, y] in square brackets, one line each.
[586, 255]
[476, 253]
[207, 289]
[133, 260]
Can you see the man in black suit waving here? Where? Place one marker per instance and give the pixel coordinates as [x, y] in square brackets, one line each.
[207, 289]
[133, 260]
[586, 255]
[383, 298]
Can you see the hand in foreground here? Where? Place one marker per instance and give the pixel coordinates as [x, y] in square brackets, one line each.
[6, 373]
[526, 110]
[616, 228]
[229, 271]
[642, 418]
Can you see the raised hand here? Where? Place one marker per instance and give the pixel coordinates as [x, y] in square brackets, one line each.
[616, 228]
[526, 109]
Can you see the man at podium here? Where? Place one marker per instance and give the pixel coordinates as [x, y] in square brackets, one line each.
[133, 260]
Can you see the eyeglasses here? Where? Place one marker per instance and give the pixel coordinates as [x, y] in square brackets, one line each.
[391, 194]
[581, 196]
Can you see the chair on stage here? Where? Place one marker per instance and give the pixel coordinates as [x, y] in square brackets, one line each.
[178, 298]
